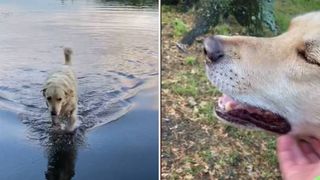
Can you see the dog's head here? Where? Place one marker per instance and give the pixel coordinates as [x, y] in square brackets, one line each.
[269, 83]
[56, 98]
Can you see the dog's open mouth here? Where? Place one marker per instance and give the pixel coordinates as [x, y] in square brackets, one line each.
[246, 115]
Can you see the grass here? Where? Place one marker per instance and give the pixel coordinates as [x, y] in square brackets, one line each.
[185, 90]
[206, 111]
[180, 28]
[188, 87]
[222, 29]
[233, 159]
[206, 155]
[187, 83]
[191, 60]
[286, 10]
[271, 155]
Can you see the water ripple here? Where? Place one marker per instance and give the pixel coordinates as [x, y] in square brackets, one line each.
[115, 51]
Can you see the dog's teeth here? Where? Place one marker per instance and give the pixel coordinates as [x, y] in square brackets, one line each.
[229, 106]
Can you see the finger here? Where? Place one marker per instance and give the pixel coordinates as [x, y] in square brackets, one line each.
[308, 152]
[299, 156]
[285, 155]
[289, 153]
[315, 143]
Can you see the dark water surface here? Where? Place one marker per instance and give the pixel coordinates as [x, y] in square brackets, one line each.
[115, 58]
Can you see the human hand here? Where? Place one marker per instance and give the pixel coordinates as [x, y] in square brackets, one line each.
[299, 160]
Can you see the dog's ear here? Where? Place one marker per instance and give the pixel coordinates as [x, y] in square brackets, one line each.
[43, 92]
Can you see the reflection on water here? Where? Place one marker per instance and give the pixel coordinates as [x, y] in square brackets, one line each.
[62, 155]
[115, 48]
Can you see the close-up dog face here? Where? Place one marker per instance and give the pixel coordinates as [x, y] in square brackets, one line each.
[56, 98]
[269, 83]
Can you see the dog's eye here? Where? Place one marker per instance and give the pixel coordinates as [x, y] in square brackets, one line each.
[59, 99]
[49, 98]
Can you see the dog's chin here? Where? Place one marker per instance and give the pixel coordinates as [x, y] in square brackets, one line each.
[244, 115]
[55, 116]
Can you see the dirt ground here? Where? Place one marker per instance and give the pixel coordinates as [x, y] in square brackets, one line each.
[194, 144]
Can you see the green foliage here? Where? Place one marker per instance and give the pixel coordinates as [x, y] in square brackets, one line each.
[286, 10]
[207, 110]
[191, 60]
[179, 27]
[166, 9]
[206, 155]
[233, 158]
[189, 89]
[271, 155]
[222, 29]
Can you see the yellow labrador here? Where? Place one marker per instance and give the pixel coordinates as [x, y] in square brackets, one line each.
[60, 91]
[269, 83]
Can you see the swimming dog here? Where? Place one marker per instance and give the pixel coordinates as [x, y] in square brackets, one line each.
[60, 92]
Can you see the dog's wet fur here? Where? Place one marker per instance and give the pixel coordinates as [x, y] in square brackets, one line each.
[60, 92]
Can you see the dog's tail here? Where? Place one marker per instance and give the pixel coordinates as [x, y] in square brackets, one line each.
[67, 56]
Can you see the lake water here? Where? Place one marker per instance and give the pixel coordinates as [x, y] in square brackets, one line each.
[115, 58]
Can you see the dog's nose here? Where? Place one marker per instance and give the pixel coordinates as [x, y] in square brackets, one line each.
[213, 48]
[53, 113]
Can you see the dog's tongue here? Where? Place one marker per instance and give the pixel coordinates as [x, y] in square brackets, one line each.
[227, 104]
[246, 115]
